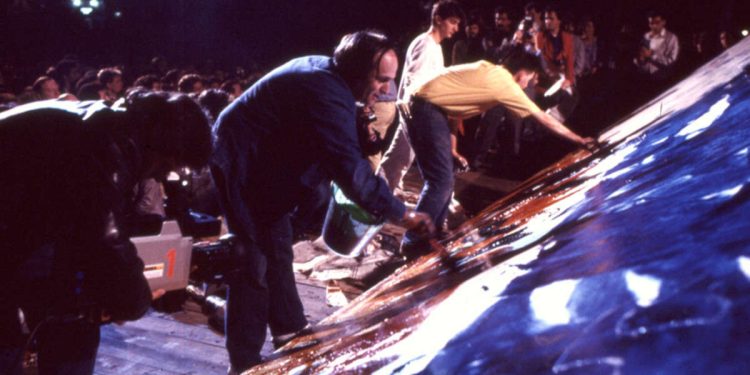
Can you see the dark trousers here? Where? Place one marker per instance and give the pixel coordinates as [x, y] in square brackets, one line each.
[262, 290]
[65, 344]
[430, 138]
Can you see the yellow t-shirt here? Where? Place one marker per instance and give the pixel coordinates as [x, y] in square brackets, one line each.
[467, 90]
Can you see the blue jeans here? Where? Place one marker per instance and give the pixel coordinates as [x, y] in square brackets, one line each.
[262, 290]
[430, 137]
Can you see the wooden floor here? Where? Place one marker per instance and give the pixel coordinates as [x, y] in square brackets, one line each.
[183, 343]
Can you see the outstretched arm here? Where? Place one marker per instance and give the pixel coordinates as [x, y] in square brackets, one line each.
[562, 131]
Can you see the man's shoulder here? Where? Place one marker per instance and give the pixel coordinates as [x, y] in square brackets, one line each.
[422, 42]
[305, 65]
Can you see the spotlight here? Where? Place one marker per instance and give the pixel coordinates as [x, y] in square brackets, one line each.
[77, 3]
[118, 14]
[745, 32]
[94, 3]
[86, 10]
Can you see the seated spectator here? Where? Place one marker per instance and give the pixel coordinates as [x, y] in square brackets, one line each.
[149, 82]
[213, 101]
[46, 87]
[233, 88]
[92, 91]
[111, 78]
[190, 84]
[169, 81]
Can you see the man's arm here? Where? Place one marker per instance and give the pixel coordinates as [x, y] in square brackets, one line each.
[670, 52]
[562, 131]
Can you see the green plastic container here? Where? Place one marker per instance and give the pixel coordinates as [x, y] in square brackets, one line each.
[347, 227]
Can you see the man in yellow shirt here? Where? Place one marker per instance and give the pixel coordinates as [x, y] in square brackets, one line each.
[461, 92]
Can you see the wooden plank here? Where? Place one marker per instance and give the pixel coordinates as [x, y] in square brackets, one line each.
[152, 343]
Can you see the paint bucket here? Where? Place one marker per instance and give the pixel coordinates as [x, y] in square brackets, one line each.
[347, 227]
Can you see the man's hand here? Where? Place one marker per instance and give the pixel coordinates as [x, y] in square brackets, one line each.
[590, 144]
[418, 222]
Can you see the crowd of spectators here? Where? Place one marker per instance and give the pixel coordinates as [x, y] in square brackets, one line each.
[73, 78]
[600, 80]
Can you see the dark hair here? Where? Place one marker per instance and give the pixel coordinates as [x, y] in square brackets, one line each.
[187, 82]
[446, 9]
[146, 81]
[171, 125]
[656, 13]
[500, 9]
[87, 77]
[213, 102]
[227, 86]
[532, 6]
[90, 91]
[473, 19]
[558, 12]
[39, 82]
[106, 75]
[359, 52]
[518, 58]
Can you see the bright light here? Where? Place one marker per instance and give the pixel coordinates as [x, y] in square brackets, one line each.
[86, 10]
[550, 303]
[645, 288]
[94, 3]
[745, 32]
[76, 3]
[118, 14]
[744, 263]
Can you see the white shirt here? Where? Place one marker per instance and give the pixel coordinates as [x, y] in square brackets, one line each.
[424, 61]
[666, 47]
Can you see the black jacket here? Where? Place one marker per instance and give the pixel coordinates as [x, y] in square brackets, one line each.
[66, 172]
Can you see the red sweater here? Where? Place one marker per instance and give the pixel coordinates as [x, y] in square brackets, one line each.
[548, 54]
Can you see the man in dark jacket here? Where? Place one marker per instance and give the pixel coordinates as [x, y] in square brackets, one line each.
[292, 130]
[67, 176]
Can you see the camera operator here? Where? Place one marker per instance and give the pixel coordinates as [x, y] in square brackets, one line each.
[68, 175]
[292, 130]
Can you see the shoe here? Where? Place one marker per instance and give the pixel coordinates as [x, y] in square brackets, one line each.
[281, 340]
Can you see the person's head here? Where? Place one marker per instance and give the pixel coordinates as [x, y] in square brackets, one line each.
[70, 71]
[502, 19]
[473, 29]
[148, 81]
[111, 78]
[588, 28]
[213, 102]
[159, 64]
[656, 21]
[523, 65]
[533, 10]
[727, 39]
[232, 87]
[446, 16]
[190, 84]
[552, 19]
[92, 91]
[170, 130]
[46, 87]
[367, 61]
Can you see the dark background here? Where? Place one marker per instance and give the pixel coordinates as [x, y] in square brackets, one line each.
[265, 33]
